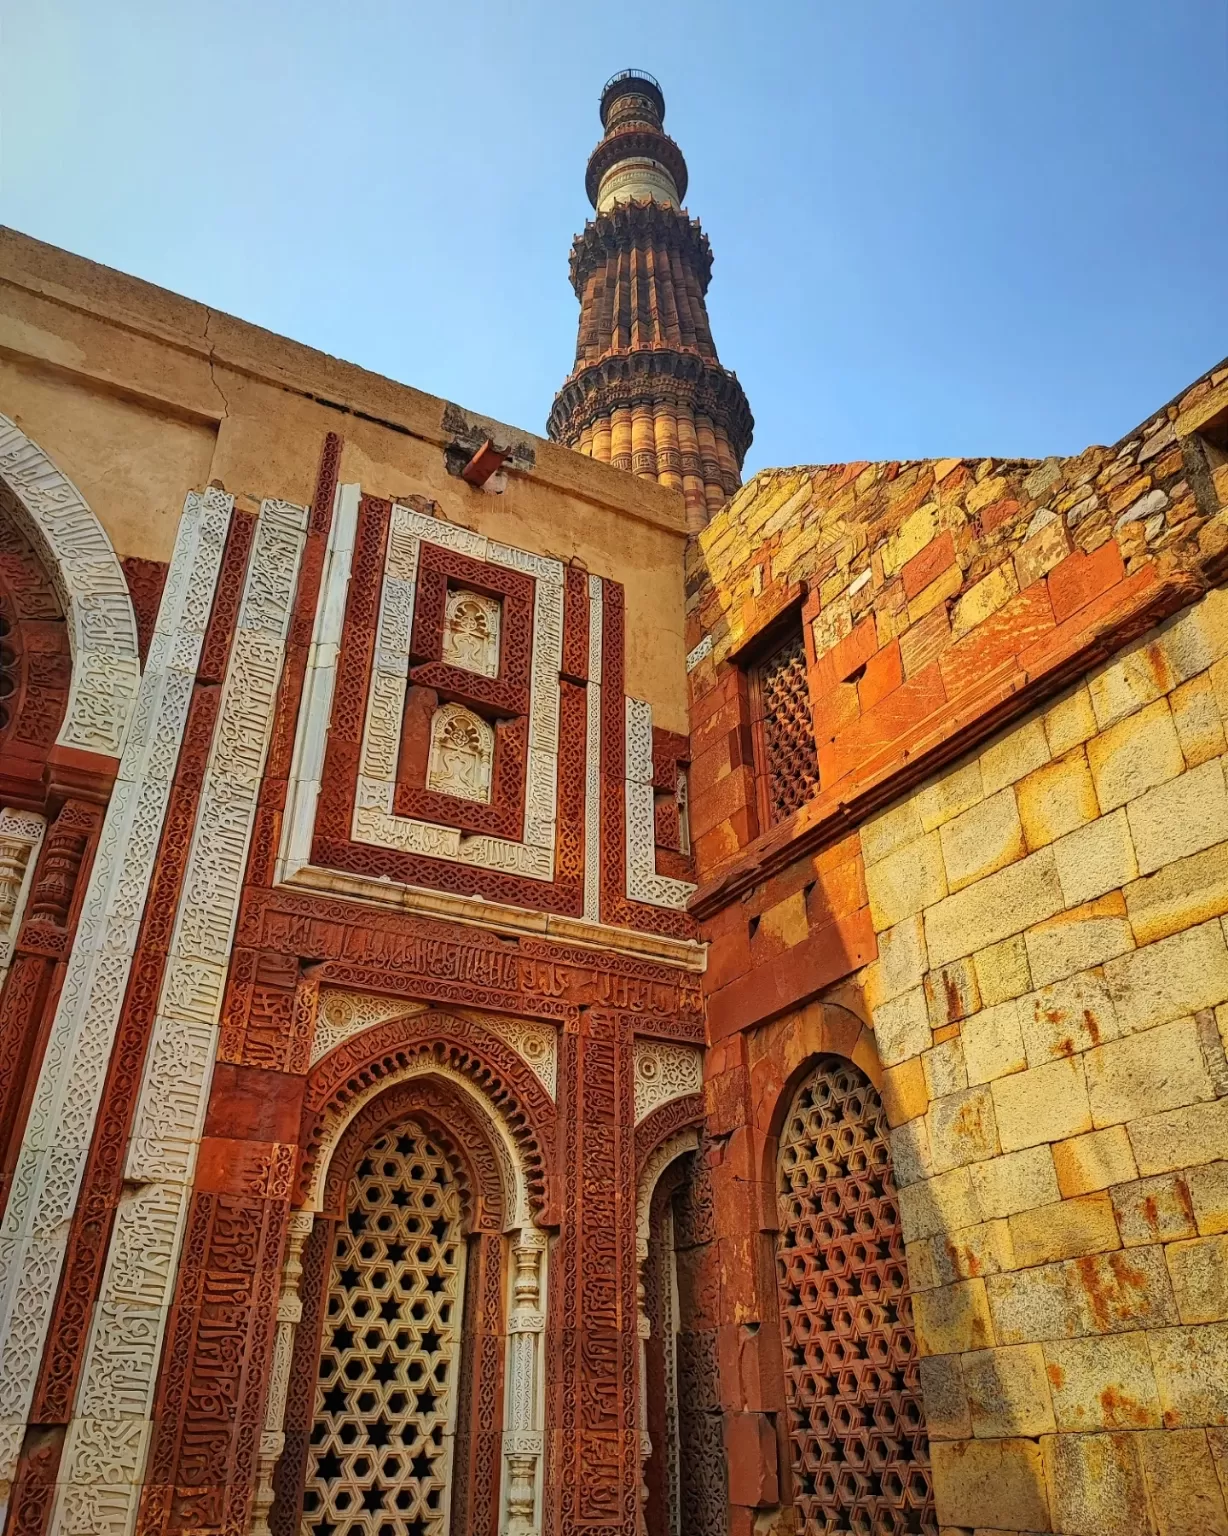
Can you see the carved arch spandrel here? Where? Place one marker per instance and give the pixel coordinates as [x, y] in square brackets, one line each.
[457, 1125]
[459, 1048]
[92, 589]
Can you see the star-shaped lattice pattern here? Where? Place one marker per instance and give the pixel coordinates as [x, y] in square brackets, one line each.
[856, 1425]
[380, 1447]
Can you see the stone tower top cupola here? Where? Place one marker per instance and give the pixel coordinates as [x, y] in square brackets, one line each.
[647, 392]
[636, 160]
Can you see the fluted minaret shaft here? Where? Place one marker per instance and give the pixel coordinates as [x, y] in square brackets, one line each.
[647, 392]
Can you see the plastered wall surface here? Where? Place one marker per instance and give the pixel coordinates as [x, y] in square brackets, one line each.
[141, 395]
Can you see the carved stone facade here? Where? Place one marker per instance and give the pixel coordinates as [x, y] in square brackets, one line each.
[518, 1022]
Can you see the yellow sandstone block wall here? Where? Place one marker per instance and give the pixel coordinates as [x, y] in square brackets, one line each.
[1050, 1003]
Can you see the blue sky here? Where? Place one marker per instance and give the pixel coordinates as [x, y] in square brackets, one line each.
[961, 227]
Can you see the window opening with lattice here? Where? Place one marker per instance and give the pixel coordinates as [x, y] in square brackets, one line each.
[382, 1436]
[857, 1434]
[784, 728]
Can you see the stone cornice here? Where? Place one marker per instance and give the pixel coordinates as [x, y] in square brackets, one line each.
[651, 377]
[636, 226]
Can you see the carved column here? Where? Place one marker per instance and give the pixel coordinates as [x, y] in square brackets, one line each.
[643, 1330]
[522, 1436]
[289, 1313]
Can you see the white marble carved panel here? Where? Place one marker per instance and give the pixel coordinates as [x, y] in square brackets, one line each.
[462, 754]
[125, 1338]
[664, 1071]
[471, 631]
[21, 837]
[70, 1080]
[92, 589]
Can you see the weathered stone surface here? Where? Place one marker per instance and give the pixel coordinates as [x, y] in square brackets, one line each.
[1174, 976]
[1158, 1069]
[1102, 1383]
[1191, 1367]
[962, 1128]
[1118, 1292]
[947, 796]
[993, 1043]
[1181, 895]
[997, 1484]
[952, 992]
[1067, 1017]
[906, 881]
[953, 1318]
[902, 1027]
[1095, 859]
[1196, 716]
[1091, 1162]
[1199, 1270]
[942, 1203]
[946, 1404]
[984, 839]
[1077, 940]
[1056, 799]
[1002, 971]
[1184, 1493]
[1004, 903]
[1097, 1485]
[1019, 752]
[1208, 1187]
[1047, 1103]
[973, 1252]
[1017, 1181]
[1183, 816]
[943, 1068]
[901, 962]
[1070, 721]
[1154, 1210]
[1066, 1230]
[1135, 755]
[1008, 1392]
[1179, 1138]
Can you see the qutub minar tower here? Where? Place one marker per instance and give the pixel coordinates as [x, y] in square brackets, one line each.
[647, 392]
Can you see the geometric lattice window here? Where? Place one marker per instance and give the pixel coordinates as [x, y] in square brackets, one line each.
[785, 727]
[381, 1441]
[856, 1424]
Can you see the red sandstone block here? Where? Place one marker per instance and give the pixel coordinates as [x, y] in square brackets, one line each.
[999, 638]
[833, 709]
[725, 1101]
[750, 1446]
[709, 767]
[253, 1103]
[846, 656]
[764, 991]
[925, 640]
[724, 840]
[900, 711]
[998, 513]
[1069, 636]
[884, 671]
[1079, 578]
[724, 799]
[929, 564]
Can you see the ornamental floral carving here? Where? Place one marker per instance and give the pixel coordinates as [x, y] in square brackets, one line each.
[664, 1071]
[471, 632]
[462, 757]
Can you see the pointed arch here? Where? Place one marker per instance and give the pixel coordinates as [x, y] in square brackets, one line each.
[90, 583]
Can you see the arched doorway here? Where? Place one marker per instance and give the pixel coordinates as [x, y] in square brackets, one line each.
[684, 1490]
[384, 1423]
[856, 1425]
